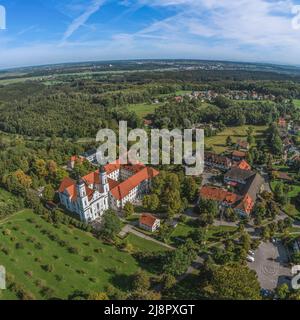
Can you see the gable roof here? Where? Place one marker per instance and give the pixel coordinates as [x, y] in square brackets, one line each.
[237, 174]
[69, 185]
[121, 190]
[217, 159]
[243, 143]
[148, 219]
[244, 165]
[218, 194]
[239, 154]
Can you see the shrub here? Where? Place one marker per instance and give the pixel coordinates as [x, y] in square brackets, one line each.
[19, 245]
[6, 232]
[48, 267]
[73, 250]
[89, 259]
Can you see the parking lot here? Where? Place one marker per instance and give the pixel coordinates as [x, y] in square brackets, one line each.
[271, 265]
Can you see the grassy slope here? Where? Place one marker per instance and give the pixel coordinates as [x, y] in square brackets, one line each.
[110, 265]
[218, 143]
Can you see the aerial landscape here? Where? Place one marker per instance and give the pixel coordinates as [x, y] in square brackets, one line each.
[74, 228]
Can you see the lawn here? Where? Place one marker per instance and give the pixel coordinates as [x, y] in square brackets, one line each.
[143, 109]
[141, 244]
[214, 234]
[182, 232]
[291, 209]
[297, 102]
[31, 253]
[218, 142]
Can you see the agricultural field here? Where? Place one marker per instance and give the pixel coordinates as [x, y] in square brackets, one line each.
[54, 261]
[218, 142]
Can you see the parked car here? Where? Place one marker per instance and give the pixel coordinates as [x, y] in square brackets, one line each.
[251, 253]
[250, 259]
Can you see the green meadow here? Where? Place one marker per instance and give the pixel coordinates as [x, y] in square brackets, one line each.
[50, 261]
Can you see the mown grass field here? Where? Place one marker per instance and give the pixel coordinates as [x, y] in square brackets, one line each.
[297, 102]
[184, 231]
[143, 109]
[46, 268]
[218, 142]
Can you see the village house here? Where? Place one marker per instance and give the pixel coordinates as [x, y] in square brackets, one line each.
[216, 161]
[222, 196]
[71, 163]
[149, 223]
[282, 176]
[112, 186]
[237, 175]
[90, 156]
[243, 200]
[244, 165]
[238, 155]
[282, 122]
[242, 145]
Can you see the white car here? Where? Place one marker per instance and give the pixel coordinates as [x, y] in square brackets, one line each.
[250, 259]
[251, 253]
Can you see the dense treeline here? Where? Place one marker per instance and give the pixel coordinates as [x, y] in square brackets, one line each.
[174, 115]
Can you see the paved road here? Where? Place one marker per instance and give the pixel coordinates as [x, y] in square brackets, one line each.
[271, 265]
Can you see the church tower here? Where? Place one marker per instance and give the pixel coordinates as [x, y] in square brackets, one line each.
[103, 179]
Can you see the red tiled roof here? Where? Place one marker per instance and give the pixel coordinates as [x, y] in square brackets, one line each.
[147, 220]
[242, 143]
[217, 194]
[282, 122]
[69, 185]
[124, 188]
[238, 154]
[111, 167]
[246, 204]
[244, 165]
[118, 190]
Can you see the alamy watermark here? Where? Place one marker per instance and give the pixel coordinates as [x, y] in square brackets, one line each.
[2, 278]
[2, 17]
[179, 147]
[296, 277]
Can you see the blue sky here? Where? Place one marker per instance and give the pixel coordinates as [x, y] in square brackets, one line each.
[52, 31]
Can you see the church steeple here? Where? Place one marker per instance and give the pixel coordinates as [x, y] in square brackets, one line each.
[103, 179]
[81, 187]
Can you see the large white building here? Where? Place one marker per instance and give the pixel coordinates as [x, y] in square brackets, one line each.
[110, 187]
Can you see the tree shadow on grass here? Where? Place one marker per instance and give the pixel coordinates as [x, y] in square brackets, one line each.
[122, 281]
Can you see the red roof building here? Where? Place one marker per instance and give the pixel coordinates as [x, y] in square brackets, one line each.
[148, 222]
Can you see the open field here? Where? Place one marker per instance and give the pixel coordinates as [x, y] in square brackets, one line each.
[297, 102]
[49, 261]
[218, 142]
[143, 109]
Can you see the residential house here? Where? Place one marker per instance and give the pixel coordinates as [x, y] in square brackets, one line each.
[238, 155]
[242, 145]
[149, 223]
[216, 161]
